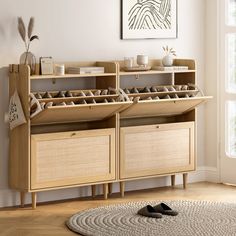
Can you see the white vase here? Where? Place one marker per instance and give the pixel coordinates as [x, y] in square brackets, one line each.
[168, 60]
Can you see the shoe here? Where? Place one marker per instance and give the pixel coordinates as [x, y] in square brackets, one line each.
[167, 97]
[105, 101]
[49, 104]
[162, 208]
[70, 103]
[61, 104]
[153, 89]
[97, 93]
[38, 96]
[104, 92]
[47, 95]
[134, 90]
[156, 98]
[184, 87]
[82, 102]
[126, 91]
[81, 94]
[171, 89]
[60, 95]
[145, 90]
[112, 91]
[68, 94]
[90, 94]
[149, 211]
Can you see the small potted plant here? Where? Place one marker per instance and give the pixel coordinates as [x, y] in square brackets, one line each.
[169, 56]
[27, 57]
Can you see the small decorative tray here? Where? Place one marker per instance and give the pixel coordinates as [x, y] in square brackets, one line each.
[137, 68]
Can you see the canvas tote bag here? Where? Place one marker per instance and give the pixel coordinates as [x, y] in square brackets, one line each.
[15, 113]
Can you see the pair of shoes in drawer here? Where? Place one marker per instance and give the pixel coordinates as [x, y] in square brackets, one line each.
[61, 104]
[126, 91]
[93, 101]
[68, 94]
[134, 90]
[70, 103]
[145, 90]
[153, 89]
[46, 105]
[171, 89]
[38, 96]
[184, 87]
[174, 96]
[112, 91]
[89, 94]
[47, 95]
[104, 92]
[80, 94]
[167, 97]
[60, 94]
[97, 93]
[162, 89]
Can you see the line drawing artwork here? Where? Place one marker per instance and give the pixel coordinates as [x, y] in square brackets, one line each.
[150, 15]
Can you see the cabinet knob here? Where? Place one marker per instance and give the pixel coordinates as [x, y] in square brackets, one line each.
[158, 127]
[73, 134]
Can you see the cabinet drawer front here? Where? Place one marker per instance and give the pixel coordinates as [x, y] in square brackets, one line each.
[72, 158]
[156, 150]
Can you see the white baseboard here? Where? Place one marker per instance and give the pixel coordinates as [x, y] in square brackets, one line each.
[212, 174]
[11, 198]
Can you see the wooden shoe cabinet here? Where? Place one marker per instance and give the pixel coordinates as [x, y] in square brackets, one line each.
[105, 135]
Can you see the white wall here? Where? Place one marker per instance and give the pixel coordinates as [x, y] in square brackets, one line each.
[74, 30]
[212, 86]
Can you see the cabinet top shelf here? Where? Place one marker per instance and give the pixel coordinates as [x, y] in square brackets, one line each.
[70, 76]
[153, 72]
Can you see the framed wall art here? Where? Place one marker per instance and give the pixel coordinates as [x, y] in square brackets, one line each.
[148, 19]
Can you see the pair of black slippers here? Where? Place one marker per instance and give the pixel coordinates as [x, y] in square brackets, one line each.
[157, 211]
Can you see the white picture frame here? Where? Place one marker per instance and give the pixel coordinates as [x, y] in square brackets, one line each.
[149, 19]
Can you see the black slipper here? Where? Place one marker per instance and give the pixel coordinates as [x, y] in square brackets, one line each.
[165, 210]
[149, 211]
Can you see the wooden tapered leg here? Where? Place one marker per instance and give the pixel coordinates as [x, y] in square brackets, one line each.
[172, 180]
[22, 199]
[122, 189]
[185, 178]
[105, 191]
[110, 185]
[34, 200]
[93, 190]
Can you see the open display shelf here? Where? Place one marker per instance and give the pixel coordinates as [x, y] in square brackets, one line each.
[114, 131]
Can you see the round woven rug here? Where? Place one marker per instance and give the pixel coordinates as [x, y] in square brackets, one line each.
[194, 218]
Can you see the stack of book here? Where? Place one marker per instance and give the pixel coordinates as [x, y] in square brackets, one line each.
[85, 70]
[170, 68]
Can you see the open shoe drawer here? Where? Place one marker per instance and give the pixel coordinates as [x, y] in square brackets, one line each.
[76, 113]
[69, 158]
[162, 107]
[152, 150]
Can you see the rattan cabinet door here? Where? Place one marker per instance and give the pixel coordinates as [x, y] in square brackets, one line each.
[72, 158]
[156, 150]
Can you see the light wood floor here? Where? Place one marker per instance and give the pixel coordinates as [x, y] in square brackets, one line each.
[49, 219]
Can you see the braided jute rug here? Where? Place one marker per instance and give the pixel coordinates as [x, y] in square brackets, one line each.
[194, 218]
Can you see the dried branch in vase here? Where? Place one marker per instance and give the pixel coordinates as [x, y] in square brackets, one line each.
[22, 31]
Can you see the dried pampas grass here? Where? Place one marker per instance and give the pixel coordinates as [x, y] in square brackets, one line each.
[21, 28]
[22, 32]
[30, 27]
